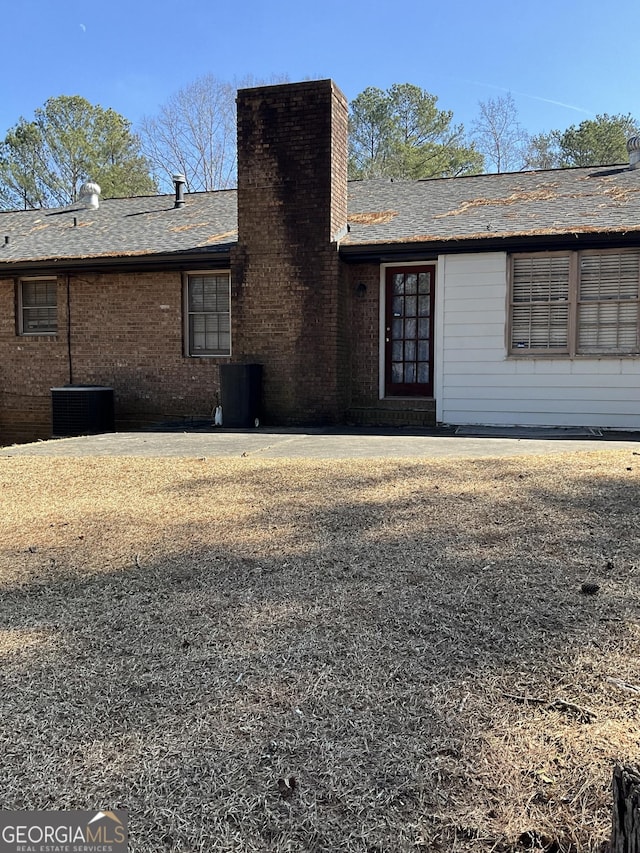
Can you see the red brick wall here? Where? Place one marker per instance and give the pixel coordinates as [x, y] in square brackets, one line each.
[289, 308]
[126, 333]
[29, 367]
[364, 333]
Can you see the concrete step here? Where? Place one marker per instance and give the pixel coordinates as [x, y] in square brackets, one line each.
[398, 412]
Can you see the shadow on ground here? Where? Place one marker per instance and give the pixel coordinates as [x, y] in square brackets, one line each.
[394, 636]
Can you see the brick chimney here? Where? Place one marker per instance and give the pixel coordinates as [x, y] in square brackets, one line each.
[289, 301]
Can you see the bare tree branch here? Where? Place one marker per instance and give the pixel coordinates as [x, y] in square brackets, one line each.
[499, 135]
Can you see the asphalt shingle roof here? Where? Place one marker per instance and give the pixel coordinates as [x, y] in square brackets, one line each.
[122, 227]
[571, 201]
[562, 201]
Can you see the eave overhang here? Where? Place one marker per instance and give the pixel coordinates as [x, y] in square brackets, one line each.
[218, 258]
[426, 249]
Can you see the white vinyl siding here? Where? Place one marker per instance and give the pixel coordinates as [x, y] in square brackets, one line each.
[38, 306]
[208, 328]
[479, 382]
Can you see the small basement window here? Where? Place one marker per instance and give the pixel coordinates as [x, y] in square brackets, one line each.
[208, 314]
[37, 306]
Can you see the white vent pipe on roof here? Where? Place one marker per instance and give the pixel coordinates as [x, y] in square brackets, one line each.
[633, 147]
[90, 195]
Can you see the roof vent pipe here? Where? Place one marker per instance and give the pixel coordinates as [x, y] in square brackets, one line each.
[179, 182]
[89, 195]
[633, 147]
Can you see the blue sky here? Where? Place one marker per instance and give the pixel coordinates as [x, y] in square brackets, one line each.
[563, 61]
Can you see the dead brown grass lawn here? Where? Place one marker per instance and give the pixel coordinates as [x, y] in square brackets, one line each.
[407, 639]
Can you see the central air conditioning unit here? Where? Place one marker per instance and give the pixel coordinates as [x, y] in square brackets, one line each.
[81, 410]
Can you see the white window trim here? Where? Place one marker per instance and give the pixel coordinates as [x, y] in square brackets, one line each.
[41, 333]
[186, 313]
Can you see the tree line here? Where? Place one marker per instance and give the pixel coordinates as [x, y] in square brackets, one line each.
[401, 133]
[395, 133]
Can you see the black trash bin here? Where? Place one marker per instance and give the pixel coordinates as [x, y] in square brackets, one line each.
[241, 394]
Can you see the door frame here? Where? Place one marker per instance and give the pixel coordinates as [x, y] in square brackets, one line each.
[428, 262]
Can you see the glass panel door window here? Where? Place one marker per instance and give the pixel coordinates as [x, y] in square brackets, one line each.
[409, 331]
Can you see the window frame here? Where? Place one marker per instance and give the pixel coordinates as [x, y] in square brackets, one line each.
[574, 303]
[188, 313]
[22, 329]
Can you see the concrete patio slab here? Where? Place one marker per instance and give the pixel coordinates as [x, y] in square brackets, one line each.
[322, 444]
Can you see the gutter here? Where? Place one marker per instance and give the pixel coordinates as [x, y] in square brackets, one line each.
[430, 249]
[218, 259]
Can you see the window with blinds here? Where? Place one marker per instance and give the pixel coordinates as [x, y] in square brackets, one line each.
[38, 306]
[540, 302]
[577, 303]
[208, 314]
[608, 303]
